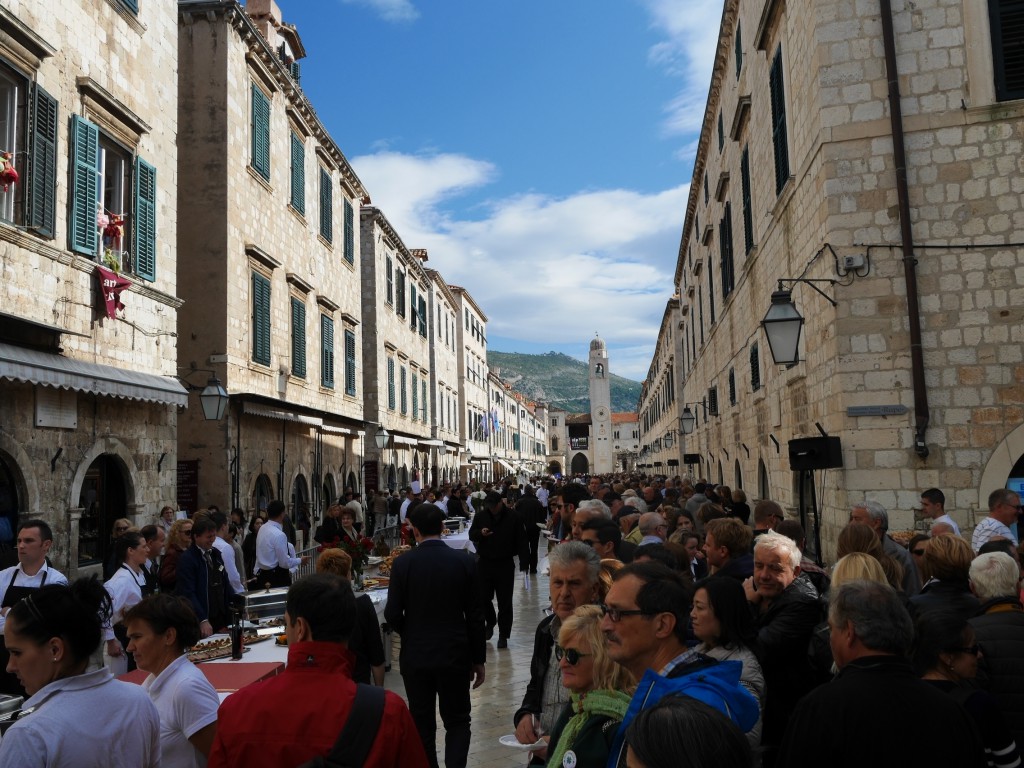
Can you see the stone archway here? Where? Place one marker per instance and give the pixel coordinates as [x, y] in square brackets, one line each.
[1000, 465]
[580, 465]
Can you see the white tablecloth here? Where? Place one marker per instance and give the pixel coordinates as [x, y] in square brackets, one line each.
[459, 541]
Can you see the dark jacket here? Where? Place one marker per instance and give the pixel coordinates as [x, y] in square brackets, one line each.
[543, 643]
[948, 596]
[532, 512]
[783, 634]
[507, 538]
[433, 603]
[365, 641]
[837, 724]
[999, 630]
[593, 743]
[626, 551]
[193, 583]
[739, 568]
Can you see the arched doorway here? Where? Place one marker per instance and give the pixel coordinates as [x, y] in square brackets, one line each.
[300, 503]
[392, 478]
[10, 503]
[103, 499]
[263, 494]
[580, 465]
[762, 480]
[554, 468]
[739, 475]
[330, 492]
[352, 482]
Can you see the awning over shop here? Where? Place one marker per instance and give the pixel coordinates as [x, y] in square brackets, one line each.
[336, 430]
[504, 463]
[47, 369]
[253, 409]
[437, 443]
[399, 440]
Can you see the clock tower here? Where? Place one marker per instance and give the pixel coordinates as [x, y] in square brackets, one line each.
[601, 442]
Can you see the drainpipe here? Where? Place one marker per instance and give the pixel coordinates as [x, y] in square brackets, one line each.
[921, 416]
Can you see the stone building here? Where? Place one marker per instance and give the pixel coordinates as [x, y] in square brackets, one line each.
[518, 436]
[444, 378]
[88, 399]
[474, 407]
[906, 211]
[396, 350]
[659, 410]
[270, 271]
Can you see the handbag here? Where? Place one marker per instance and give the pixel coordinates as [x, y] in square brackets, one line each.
[356, 739]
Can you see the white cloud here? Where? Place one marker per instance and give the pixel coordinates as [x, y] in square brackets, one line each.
[542, 268]
[390, 10]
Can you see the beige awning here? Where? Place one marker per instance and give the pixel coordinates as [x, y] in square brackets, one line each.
[504, 463]
[48, 369]
[254, 409]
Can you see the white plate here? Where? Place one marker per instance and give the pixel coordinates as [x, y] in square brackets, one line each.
[512, 741]
[374, 560]
[542, 525]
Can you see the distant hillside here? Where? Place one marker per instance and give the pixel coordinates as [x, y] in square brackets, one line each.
[559, 380]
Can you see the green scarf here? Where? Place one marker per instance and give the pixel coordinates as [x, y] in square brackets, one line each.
[601, 703]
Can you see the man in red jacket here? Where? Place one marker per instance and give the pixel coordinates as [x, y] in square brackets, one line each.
[298, 715]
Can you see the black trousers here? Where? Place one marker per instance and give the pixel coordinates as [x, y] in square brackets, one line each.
[497, 578]
[449, 688]
[533, 538]
[275, 577]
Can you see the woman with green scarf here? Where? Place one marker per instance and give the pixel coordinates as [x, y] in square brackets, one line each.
[600, 692]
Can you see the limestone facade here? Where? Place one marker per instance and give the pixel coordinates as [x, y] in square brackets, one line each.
[796, 178]
[659, 409]
[88, 405]
[474, 405]
[444, 376]
[270, 270]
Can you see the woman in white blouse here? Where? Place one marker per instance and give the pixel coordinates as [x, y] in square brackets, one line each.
[126, 588]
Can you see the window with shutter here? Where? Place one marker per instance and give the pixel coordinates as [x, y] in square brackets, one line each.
[400, 294]
[707, 195]
[298, 174]
[327, 352]
[748, 211]
[260, 319]
[412, 306]
[298, 338]
[739, 50]
[391, 383]
[145, 220]
[83, 235]
[326, 206]
[732, 386]
[350, 363]
[1006, 18]
[779, 135]
[713, 401]
[711, 290]
[423, 399]
[415, 396]
[260, 129]
[725, 250]
[721, 132]
[755, 369]
[41, 184]
[402, 394]
[350, 233]
[422, 307]
[389, 278]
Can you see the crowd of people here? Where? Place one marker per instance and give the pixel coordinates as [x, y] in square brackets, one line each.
[684, 629]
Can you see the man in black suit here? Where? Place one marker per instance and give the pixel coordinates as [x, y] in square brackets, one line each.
[532, 512]
[499, 535]
[433, 603]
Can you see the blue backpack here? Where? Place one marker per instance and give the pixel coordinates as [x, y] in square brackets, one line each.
[717, 686]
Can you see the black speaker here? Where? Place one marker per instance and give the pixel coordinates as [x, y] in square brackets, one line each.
[691, 458]
[815, 453]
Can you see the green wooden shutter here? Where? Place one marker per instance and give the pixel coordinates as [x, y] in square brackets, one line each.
[390, 280]
[85, 177]
[422, 307]
[1006, 18]
[412, 305]
[298, 174]
[400, 294]
[391, 383]
[326, 206]
[298, 338]
[403, 391]
[326, 352]
[415, 396]
[145, 220]
[260, 132]
[350, 233]
[423, 400]
[42, 174]
[748, 215]
[350, 363]
[260, 319]
[780, 141]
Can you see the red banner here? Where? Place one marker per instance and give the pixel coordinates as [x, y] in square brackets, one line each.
[111, 286]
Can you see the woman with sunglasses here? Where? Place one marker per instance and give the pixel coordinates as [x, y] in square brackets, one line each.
[73, 718]
[126, 588]
[725, 627]
[599, 693]
[946, 656]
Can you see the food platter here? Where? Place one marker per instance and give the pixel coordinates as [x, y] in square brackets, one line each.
[208, 650]
[376, 582]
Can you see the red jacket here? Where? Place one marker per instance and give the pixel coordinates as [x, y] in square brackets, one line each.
[297, 715]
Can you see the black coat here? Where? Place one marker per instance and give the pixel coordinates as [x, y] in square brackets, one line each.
[739, 568]
[532, 512]
[433, 603]
[948, 596]
[507, 538]
[543, 643]
[838, 724]
[999, 630]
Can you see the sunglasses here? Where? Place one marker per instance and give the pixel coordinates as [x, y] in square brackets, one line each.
[974, 650]
[918, 552]
[571, 655]
[617, 614]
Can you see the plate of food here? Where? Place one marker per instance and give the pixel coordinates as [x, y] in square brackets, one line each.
[208, 650]
[376, 582]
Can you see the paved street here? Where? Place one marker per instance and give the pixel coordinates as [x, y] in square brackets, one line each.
[508, 672]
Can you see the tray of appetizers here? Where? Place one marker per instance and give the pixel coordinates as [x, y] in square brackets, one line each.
[208, 650]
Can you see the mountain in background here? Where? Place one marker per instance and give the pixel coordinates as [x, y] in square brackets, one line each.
[559, 380]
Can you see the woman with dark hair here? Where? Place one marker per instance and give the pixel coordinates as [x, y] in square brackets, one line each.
[160, 629]
[862, 538]
[51, 635]
[682, 732]
[249, 545]
[126, 587]
[946, 656]
[725, 627]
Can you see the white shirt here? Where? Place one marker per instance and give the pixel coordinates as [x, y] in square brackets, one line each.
[272, 548]
[84, 726]
[186, 703]
[443, 504]
[948, 521]
[125, 590]
[988, 529]
[53, 576]
[542, 496]
[404, 509]
[227, 552]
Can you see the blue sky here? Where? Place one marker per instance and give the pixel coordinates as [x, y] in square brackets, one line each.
[540, 151]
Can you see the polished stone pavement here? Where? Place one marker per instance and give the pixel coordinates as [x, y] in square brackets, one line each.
[506, 675]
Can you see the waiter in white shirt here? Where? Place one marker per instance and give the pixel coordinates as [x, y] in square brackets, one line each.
[273, 560]
[32, 572]
[227, 552]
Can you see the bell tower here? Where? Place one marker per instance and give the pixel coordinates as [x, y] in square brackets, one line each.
[601, 443]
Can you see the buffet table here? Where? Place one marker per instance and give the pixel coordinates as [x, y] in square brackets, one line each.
[459, 541]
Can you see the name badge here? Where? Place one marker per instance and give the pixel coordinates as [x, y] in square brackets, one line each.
[569, 761]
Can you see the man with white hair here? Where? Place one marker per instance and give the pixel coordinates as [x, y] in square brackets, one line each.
[787, 609]
[590, 509]
[874, 515]
[999, 630]
[1003, 506]
[653, 528]
[638, 507]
